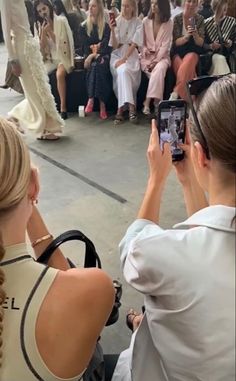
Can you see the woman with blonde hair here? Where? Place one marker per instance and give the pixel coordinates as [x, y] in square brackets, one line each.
[95, 35]
[53, 315]
[220, 37]
[126, 38]
[186, 274]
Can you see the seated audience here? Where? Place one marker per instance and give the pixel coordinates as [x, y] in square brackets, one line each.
[84, 4]
[220, 37]
[177, 8]
[57, 46]
[95, 35]
[126, 38]
[187, 274]
[80, 13]
[155, 54]
[53, 315]
[205, 9]
[143, 8]
[188, 39]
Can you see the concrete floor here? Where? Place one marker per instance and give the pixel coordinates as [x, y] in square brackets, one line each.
[93, 179]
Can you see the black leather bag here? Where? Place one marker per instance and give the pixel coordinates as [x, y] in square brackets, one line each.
[91, 260]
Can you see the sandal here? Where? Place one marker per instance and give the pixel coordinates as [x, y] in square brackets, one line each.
[48, 137]
[146, 110]
[133, 118]
[89, 107]
[118, 119]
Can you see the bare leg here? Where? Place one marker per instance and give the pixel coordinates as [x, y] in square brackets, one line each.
[103, 113]
[61, 86]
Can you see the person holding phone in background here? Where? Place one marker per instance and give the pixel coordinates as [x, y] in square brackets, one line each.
[187, 274]
[220, 38]
[188, 40]
[56, 42]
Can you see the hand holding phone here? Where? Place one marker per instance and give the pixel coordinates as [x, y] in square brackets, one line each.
[171, 121]
[112, 18]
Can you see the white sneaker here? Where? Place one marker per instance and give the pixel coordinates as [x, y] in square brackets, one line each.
[173, 96]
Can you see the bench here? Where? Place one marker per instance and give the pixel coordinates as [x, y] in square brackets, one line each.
[77, 91]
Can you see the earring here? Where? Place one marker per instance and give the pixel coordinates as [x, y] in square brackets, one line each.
[34, 201]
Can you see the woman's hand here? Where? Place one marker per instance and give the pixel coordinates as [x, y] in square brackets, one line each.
[89, 59]
[120, 62]
[151, 66]
[184, 168]
[160, 161]
[47, 27]
[228, 44]
[215, 45]
[16, 68]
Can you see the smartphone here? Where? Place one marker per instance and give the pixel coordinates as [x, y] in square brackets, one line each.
[171, 122]
[191, 23]
[112, 18]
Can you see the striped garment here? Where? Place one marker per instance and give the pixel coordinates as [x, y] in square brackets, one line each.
[226, 29]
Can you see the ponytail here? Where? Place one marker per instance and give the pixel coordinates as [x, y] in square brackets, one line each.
[2, 296]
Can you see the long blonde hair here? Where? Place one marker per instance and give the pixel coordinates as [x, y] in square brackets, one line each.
[100, 20]
[15, 177]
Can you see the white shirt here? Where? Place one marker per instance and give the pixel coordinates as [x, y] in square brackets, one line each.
[176, 11]
[187, 276]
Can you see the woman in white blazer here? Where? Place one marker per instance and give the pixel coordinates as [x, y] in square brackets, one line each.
[187, 273]
[57, 45]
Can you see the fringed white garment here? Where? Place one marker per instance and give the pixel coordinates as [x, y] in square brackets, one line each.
[38, 110]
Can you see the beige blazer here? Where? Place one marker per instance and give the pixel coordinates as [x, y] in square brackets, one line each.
[64, 42]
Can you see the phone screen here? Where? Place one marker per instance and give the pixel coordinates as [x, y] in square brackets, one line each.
[171, 126]
[192, 22]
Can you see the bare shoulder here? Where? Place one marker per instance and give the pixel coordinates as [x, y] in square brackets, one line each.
[77, 305]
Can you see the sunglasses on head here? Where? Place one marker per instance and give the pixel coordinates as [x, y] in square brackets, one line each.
[194, 88]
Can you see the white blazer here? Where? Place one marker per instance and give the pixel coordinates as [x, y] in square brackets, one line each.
[64, 42]
[187, 276]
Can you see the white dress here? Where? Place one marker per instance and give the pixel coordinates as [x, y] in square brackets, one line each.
[127, 77]
[38, 110]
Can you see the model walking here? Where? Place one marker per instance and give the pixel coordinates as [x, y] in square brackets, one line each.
[38, 110]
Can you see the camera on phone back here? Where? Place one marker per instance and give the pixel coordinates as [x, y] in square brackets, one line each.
[171, 122]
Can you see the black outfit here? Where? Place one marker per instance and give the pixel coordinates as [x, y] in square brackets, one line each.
[98, 78]
[75, 21]
[189, 46]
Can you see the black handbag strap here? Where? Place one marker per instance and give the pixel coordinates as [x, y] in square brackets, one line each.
[91, 256]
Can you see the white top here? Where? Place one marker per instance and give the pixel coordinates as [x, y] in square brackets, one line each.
[128, 31]
[26, 285]
[14, 23]
[187, 276]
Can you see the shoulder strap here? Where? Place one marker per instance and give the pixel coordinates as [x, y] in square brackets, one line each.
[91, 257]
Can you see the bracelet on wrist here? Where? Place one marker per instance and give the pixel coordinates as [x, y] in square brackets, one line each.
[41, 239]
